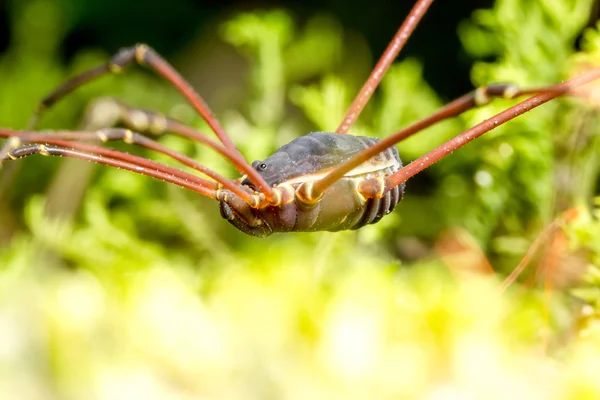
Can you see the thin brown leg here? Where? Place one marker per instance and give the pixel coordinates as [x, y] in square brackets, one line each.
[174, 178]
[462, 139]
[144, 121]
[452, 109]
[108, 112]
[16, 142]
[145, 56]
[387, 58]
[64, 90]
[127, 136]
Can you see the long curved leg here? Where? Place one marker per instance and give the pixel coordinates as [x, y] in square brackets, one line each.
[107, 112]
[65, 138]
[387, 58]
[146, 56]
[454, 108]
[467, 136]
[116, 112]
[179, 178]
[16, 143]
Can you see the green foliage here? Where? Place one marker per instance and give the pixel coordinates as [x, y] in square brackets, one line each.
[141, 288]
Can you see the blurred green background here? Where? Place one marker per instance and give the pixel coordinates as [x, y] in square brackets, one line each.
[114, 285]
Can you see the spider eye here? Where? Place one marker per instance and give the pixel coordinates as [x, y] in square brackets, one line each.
[262, 166]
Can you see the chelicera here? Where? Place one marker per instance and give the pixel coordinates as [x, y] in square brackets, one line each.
[323, 181]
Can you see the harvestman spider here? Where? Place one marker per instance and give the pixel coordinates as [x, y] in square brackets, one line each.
[321, 181]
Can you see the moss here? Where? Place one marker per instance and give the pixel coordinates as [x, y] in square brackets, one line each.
[142, 289]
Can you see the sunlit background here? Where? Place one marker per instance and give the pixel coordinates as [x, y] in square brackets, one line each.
[114, 285]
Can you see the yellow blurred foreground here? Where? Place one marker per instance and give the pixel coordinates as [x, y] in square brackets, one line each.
[282, 331]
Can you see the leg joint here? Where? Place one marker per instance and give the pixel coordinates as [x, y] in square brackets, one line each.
[140, 53]
[305, 194]
[372, 188]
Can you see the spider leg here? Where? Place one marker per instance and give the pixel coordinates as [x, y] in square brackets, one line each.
[452, 109]
[64, 138]
[166, 174]
[481, 96]
[467, 136]
[386, 59]
[108, 112]
[15, 142]
[146, 56]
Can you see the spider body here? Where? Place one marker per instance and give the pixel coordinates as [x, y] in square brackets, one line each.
[318, 182]
[305, 160]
